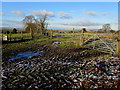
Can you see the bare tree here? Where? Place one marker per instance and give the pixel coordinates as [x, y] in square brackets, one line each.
[29, 24]
[41, 23]
[106, 27]
[38, 25]
[28, 19]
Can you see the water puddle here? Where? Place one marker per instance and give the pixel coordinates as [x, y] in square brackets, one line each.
[56, 42]
[25, 55]
[61, 63]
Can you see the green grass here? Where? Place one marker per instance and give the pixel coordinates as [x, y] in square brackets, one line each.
[38, 40]
[24, 35]
[66, 42]
[78, 34]
[13, 46]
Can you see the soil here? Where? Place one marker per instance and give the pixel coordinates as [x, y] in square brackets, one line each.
[54, 68]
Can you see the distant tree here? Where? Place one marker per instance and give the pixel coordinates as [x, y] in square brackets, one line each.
[14, 31]
[37, 25]
[70, 31]
[106, 27]
[84, 30]
[7, 32]
[41, 23]
[32, 27]
[28, 23]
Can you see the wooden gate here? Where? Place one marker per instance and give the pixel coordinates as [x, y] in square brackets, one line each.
[109, 43]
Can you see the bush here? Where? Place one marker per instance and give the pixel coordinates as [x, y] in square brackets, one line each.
[14, 31]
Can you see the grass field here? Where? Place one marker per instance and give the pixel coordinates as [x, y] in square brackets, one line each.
[70, 40]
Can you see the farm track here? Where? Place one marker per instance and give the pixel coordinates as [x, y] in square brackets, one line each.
[58, 68]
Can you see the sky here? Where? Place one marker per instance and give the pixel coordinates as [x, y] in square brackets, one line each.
[62, 15]
[60, 0]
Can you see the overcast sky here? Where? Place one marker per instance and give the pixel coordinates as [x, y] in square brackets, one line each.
[62, 15]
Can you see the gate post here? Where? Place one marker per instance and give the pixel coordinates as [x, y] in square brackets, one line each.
[7, 37]
[51, 34]
[21, 35]
[118, 45]
[73, 32]
[10, 37]
[82, 37]
[31, 33]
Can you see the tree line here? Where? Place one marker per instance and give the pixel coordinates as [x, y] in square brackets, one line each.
[36, 24]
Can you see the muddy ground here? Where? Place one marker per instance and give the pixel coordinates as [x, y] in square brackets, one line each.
[61, 68]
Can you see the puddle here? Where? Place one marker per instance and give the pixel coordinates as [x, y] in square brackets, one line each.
[61, 63]
[56, 42]
[72, 60]
[101, 64]
[25, 55]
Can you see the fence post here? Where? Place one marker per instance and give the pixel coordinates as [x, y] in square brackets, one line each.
[118, 45]
[7, 37]
[31, 33]
[73, 32]
[51, 34]
[10, 36]
[82, 36]
[21, 35]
